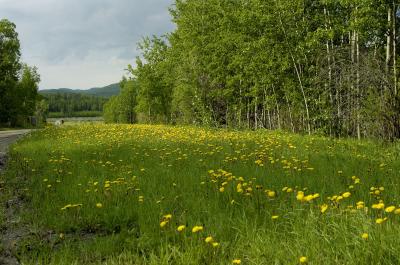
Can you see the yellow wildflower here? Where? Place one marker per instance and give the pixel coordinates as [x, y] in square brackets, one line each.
[378, 206]
[390, 209]
[197, 229]
[303, 260]
[346, 194]
[209, 239]
[324, 207]
[181, 228]
[300, 196]
[380, 220]
[167, 216]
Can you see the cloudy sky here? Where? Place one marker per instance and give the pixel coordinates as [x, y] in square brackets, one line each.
[84, 43]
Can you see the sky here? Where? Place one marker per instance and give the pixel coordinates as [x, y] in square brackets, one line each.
[81, 44]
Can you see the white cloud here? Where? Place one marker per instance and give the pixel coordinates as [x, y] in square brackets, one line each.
[84, 43]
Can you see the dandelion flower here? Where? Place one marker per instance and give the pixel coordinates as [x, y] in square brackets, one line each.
[99, 205]
[303, 260]
[380, 220]
[167, 216]
[364, 236]
[378, 206]
[390, 209]
[215, 244]
[197, 229]
[209, 239]
[163, 224]
[346, 194]
[300, 196]
[324, 207]
[181, 228]
[236, 261]
[274, 217]
[271, 194]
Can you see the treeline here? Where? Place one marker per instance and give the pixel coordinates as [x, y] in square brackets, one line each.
[122, 108]
[313, 66]
[71, 104]
[20, 104]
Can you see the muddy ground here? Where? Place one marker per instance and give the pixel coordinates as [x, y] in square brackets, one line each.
[11, 230]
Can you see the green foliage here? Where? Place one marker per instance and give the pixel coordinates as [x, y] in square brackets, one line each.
[303, 66]
[70, 104]
[18, 82]
[121, 108]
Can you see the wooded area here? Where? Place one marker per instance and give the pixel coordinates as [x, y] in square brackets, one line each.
[322, 66]
[68, 104]
[18, 82]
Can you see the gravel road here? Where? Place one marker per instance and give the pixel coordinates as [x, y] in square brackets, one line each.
[9, 137]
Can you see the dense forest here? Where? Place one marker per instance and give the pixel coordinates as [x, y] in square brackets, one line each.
[323, 66]
[19, 99]
[73, 104]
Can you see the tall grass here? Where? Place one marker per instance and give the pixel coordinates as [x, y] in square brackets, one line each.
[103, 193]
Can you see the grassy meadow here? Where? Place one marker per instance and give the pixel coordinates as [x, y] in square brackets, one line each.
[146, 194]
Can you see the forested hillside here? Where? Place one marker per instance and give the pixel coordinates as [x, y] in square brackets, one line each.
[65, 102]
[319, 66]
[73, 105]
[107, 91]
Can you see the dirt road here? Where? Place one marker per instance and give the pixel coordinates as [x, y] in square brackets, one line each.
[8, 137]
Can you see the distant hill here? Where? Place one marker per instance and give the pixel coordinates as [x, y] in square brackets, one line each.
[106, 91]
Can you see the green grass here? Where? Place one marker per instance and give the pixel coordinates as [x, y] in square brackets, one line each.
[153, 171]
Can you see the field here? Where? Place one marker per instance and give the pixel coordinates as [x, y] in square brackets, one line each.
[120, 194]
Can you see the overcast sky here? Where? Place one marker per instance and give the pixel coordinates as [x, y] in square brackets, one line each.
[84, 43]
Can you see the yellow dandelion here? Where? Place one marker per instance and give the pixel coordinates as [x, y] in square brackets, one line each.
[236, 261]
[163, 224]
[167, 216]
[324, 208]
[99, 205]
[209, 239]
[364, 236]
[378, 206]
[346, 194]
[390, 209]
[197, 228]
[380, 220]
[271, 194]
[300, 196]
[181, 228]
[303, 260]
